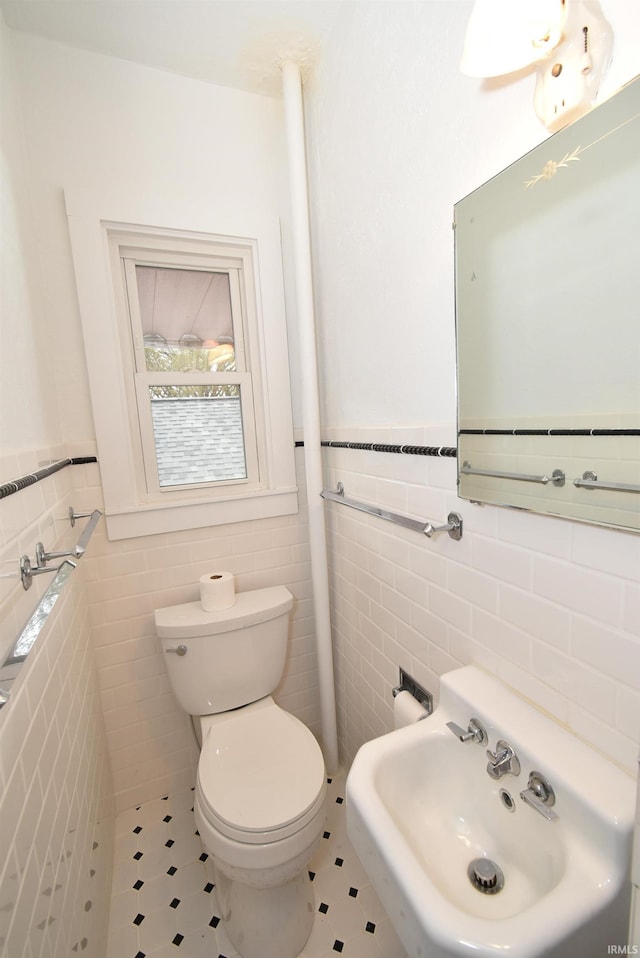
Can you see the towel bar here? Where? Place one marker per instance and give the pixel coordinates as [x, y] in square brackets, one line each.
[590, 481]
[557, 477]
[453, 524]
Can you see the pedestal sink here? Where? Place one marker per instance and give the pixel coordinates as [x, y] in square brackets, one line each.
[470, 854]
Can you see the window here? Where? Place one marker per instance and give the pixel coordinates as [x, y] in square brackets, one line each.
[193, 385]
[190, 428]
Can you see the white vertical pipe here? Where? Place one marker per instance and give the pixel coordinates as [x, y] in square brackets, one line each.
[294, 122]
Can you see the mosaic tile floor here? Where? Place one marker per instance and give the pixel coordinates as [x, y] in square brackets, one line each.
[164, 905]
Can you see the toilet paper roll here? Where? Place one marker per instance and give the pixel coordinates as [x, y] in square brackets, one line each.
[407, 710]
[217, 591]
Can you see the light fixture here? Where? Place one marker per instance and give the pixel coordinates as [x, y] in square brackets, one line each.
[568, 41]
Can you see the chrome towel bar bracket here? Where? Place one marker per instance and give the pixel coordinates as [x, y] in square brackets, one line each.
[29, 570]
[73, 515]
[453, 525]
[42, 556]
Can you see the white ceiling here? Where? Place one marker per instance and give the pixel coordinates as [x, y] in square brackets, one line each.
[236, 43]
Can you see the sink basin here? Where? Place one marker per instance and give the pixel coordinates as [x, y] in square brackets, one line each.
[422, 807]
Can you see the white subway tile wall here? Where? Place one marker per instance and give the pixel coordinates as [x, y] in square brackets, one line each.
[151, 742]
[549, 606]
[57, 809]
[37, 513]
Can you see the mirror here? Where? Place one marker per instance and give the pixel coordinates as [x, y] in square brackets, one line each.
[548, 324]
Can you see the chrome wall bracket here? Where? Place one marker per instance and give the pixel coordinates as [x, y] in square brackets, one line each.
[453, 526]
[42, 556]
[73, 515]
[27, 571]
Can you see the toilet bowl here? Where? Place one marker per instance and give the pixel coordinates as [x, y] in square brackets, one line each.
[261, 785]
[260, 811]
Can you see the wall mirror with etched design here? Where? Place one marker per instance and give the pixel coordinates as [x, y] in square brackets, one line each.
[548, 324]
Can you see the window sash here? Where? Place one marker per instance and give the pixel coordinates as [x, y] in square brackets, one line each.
[147, 437]
[143, 378]
[179, 261]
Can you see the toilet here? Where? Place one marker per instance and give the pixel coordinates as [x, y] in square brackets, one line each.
[261, 784]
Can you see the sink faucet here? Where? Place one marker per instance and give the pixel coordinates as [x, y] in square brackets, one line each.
[540, 795]
[475, 732]
[503, 761]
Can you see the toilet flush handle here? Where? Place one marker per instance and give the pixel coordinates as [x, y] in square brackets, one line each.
[180, 650]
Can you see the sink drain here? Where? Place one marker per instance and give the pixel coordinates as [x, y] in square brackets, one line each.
[486, 876]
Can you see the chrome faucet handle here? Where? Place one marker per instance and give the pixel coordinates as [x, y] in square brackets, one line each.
[503, 761]
[540, 795]
[476, 732]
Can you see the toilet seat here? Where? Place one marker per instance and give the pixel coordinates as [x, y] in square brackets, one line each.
[261, 774]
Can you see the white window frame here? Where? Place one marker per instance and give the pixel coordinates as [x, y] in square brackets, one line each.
[238, 269]
[135, 505]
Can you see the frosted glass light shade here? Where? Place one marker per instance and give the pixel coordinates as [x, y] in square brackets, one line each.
[569, 41]
[506, 35]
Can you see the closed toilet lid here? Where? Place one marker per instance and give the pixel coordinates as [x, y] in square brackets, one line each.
[260, 771]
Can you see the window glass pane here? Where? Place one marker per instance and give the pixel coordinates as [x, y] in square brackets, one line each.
[198, 434]
[186, 317]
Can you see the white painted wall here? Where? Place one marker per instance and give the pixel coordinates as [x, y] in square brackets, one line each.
[112, 126]
[28, 393]
[212, 154]
[396, 136]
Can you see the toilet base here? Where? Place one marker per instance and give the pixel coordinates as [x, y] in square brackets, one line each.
[272, 922]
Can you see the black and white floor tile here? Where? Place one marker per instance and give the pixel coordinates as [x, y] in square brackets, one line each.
[164, 900]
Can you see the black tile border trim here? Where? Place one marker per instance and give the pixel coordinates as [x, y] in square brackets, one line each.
[549, 432]
[448, 452]
[16, 485]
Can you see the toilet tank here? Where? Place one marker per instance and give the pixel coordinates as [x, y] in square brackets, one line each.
[231, 657]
